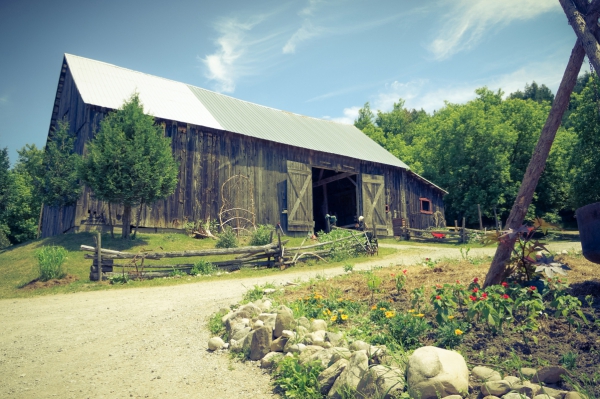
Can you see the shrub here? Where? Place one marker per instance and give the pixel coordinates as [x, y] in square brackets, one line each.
[298, 380]
[227, 239]
[262, 235]
[203, 267]
[50, 260]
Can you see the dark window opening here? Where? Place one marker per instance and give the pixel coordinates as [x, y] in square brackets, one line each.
[426, 206]
[337, 198]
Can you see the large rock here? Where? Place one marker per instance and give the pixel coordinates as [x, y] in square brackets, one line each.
[572, 395]
[334, 338]
[284, 321]
[554, 393]
[340, 353]
[515, 395]
[528, 372]
[236, 346]
[268, 319]
[240, 334]
[329, 375]
[358, 364]
[270, 359]
[359, 346]
[278, 344]
[549, 374]
[512, 379]
[527, 388]
[307, 352]
[381, 382]
[304, 322]
[486, 374]
[215, 343]
[261, 343]
[266, 305]
[318, 324]
[323, 357]
[434, 372]
[497, 388]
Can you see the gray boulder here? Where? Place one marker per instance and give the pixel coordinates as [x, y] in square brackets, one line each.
[304, 322]
[549, 374]
[278, 344]
[515, 395]
[486, 374]
[381, 382]
[270, 359]
[497, 388]
[434, 371]
[358, 364]
[284, 321]
[323, 357]
[330, 374]
[334, 338]
[240, 334]
[318, 324]
[261, 343]
[215, 343]
[359, 346]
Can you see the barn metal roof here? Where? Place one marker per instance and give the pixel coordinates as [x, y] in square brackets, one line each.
[109, 86]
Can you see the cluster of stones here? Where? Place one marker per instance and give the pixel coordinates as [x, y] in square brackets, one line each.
[533, 384]
[267, 335]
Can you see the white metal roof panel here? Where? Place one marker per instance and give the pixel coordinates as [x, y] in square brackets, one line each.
[109, 86]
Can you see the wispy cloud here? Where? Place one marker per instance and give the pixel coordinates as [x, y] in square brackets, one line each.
[4, 100]
[468, 21]
[237, 50]
[305, 32]
[310, 8]
[431, 95]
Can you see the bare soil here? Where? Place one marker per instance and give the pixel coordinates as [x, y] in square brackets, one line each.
[142, 343]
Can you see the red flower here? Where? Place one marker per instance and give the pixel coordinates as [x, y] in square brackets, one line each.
[438, 297]
[405, 271]
[532, 288]
[475, 289]
[505, 284]
[505, 296]
[484, 295]
[438, 286]
[393, 275]
[549, 280]
[457, 281]
[473, 298]
[426, 259]
[475, 280]
[558, 281]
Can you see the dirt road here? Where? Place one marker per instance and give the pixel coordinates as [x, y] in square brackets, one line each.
[142, 343]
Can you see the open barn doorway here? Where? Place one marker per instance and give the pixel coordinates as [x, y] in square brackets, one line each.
[334, 193]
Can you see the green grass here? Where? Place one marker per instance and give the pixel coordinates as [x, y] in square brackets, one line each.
[18, 264]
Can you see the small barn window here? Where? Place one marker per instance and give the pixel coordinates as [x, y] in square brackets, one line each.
[426, 206]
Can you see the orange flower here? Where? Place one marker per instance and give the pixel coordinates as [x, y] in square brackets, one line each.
[373, 307]
[458, 332]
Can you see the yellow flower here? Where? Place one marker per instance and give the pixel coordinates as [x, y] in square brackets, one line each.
[341, 300]
[411, 311]
[420, 315]
[344, 317]
[458, 332]
[450, 317]
[383, 309]
[389, 314]
[373, 307]
[333, 318]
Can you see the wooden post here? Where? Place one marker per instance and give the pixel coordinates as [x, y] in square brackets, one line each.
[496, 218]
[456, 225]
[480, 222]
[99, 251]
[463, 232]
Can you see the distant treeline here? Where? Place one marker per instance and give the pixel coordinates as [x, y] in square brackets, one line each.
[479, 151]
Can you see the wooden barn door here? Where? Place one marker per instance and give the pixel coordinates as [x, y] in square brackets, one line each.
[373, 202]
[299, 197]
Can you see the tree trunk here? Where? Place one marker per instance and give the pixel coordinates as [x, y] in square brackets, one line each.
[538, 160]
[39, 229]
[536, 166]
[110, 221]
[137, 222]
[126, 222]
[585, 30]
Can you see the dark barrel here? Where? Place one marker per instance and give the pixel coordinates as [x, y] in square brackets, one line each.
[588, 221]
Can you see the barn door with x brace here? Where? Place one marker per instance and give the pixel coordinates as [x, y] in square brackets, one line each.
[373, 202]
[299, 197]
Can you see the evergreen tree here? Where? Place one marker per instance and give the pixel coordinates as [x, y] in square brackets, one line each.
[6, 195]
[130, 162]
[57, 182]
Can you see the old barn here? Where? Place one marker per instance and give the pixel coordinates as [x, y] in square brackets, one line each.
[240, 162]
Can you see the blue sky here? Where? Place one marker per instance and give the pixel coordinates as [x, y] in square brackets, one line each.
[314, 57]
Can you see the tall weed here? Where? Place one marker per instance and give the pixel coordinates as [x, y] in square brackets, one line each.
[50, 261]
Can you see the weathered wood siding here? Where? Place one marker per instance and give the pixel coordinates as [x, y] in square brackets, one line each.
[207, 158]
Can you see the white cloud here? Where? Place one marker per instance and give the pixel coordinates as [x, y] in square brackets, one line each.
[224, 66]
[350, 115]
[468, 21]
[310, 8]
[305, 32]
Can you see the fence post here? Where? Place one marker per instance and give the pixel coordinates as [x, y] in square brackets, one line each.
[464, 232]
[99, 250]
[480, 222]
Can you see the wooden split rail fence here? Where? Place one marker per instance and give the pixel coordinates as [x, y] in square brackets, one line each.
[136, 265]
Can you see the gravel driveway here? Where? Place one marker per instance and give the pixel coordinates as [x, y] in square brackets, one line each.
[142, 343]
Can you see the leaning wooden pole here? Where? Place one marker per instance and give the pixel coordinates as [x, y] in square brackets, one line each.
[538, 160]
[536, 165]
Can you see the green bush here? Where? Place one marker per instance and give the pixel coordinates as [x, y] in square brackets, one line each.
[298, 380]
[227, 239]
[262, 235]
[203, 267]
[50, 260]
